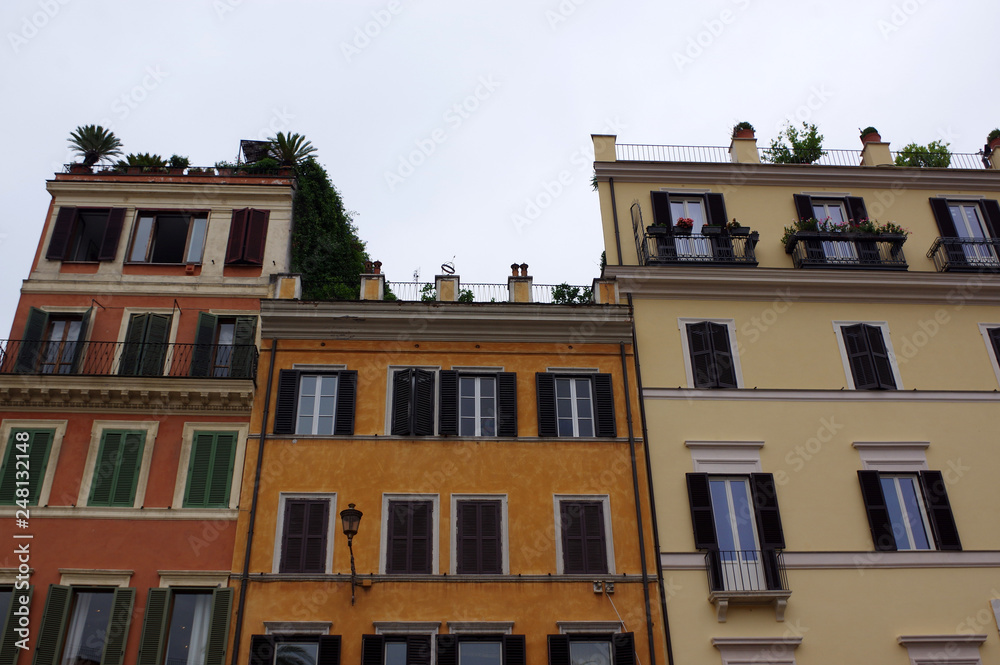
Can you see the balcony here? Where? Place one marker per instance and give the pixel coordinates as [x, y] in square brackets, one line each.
[747, 577]
[34, 357]
[866, 251]
[712, 250]
[965, 254]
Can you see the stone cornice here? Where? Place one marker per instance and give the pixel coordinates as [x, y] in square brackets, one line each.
[480, 322]
[800, 175]
[192, 190]
[130, 394]
[135, 285]
[819, 285]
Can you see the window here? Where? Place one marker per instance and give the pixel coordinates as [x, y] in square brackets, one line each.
[52, 343]
[395, 649]
[478, 405]
[410, 534]
[736, 519]
[991, 335]
[584, 544]
[479, 537]
[169, 237]
[304, 535]
[709, 349]
[294, 649]
[315, 402]
[701, 209]
[23, 466]
[412, 402]
[595, 649]
[186, 626]
[868, 356]
[908, 511]
[976, 222]
[86, 234]
[210, 470]
[247, 235]
[836, 211]
[146, 344]
[84, 625]
[224, 346]
[117, 472]
[481, 649]
[11, 600]
[575, 405]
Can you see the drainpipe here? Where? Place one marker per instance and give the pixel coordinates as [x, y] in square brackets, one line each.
[638, 508]
[245, 576]
[649, 481]
[614, 215]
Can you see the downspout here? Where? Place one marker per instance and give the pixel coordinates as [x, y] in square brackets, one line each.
[649, 480]
[614, 215]
[638, 508]
[245, 576]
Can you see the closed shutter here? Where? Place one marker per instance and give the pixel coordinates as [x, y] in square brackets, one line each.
[700, 347]
[479, 538]
[513, 650]
[256, 237]
[402, 391]
[418, 650]
[237, 236]
[661, 210]
[204, 344]
[210, 470]
[423, 403]
[420, 537]
[244, 345]
[506, 404]
[584, 547]
[859, 356]
[9, 651]
[127, 476]
[128, 365]
[117, 469]
[702, 518]
[448, 404]
[81, 344]
[48, 645]
[347, 388]
[939, 511]
[409, 537]
[38, 445]
[373, 650]
[856, 209]
[722, 356]
[286, 402]
[559, 650]
[112, 233]
[261, 650]
[623, 646]
[545, 389]
[61, 232]
[769, 530]
[154, 627]
[155, 345]
[880, 358]
[447, 650]
[878, 512]
[946, 225]
[716, 205]
[803, 206]
[329, 650]
[604, 405]
[121, 616]
[31, 341]
[303, 547]
[218, 630]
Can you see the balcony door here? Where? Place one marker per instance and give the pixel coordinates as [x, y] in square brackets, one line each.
[693, 209]
[832, 213]
[736, 530]
[969, 224]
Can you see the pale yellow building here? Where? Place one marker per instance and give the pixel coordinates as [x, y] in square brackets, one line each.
[818, 403]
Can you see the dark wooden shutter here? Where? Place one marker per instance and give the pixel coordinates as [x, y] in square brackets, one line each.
[995, 339]
[768, 517]
[48, 645]
[112, 233]
[373, 650]
[423, 403]
[702, 518]
[447, 650]
[256, 237]
[347, 388]
[127, 476]
[155, 345]
[402, 390]
[803, 206]
[9, 652]
[513, 650]
[154, 627]
[261, 650]
[506, 404]
[859, 356]
[418, 650]
[604, 405]
[420, 537]
[716, 205]
[210, 469]
[237, 235]
[880, 358]
[559, 650]
[584, 547]
[244, 345]
[218, 632]
[623, 646]
[121, 616]
[856, 209]
[40, 442]
[700, 347]
[409, 537]
[81, 342]
[545, 389]
[946, 225]
[204, 341]
[305, 533]
[939, 511]
[62, 229]
[722, 356]
[448, 404]
[479, 538]
[878, 512]
[661, 210]
[286, 402]
[329, 650]
[991, 215]
[128, 364]
[32, 341]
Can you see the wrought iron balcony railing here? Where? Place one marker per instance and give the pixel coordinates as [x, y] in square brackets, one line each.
[869, 251]
[965, 254]
[746, 570]
[38, 357]
[717, 250]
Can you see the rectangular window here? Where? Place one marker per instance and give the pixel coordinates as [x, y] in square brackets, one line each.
[145, 347]
[479, 537]
[413, 402]
[481, 649]
[23, 466]
[712, 358]
[868, 356]
[477, 410]
[85, 234]
[320, 403]
[410, 543]
[52, 343]
[168, 237]
[583, 649]
[735, 528]
[410, 649]
[294, 649]
[969, 232]
[477, 405]
[689, 242]
[210, 470]
[116, 473]
[584, 537]
[84, 625]
[908, 511]
[304, 537]
[225, 346]
[185, 626]
[575, 405]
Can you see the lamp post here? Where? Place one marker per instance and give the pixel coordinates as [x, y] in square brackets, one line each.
[350, 518]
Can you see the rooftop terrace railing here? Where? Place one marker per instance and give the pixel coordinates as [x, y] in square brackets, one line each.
[416, 291]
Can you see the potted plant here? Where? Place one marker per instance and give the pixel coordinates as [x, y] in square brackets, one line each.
[711, 230]
[201, 171]
[94, 143]
[993, 139]
[176, 164]
[737, 229]
[658, 229]
[743, 130]
[683, 226]
[225, 168]
[80, 168]
[870, 135]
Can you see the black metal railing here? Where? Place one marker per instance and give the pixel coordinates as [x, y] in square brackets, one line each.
[719, 250]
[235, 170]
[813, 249]
[746, 570]
[216, 361]
[965, 254]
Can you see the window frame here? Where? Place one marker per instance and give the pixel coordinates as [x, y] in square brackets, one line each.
[838, 327]
[29, 358]
[605, 501]
[205, 354]
[155, 631]
[449, 408]
[512, 647]
[390, 399]
[192, 216]
[604, 409]
[992, 347]
[504, 532]
[188, 433]
[936, 512]
[64, 234]
[58, 427]
[150, 429]
[734, 350]
[279, 528]
[263, 648]
[559, 647]
[435, 538]
[286, 417]
[57, 615]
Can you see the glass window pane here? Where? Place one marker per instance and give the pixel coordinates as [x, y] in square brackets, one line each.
[895, 513]
[227, 332]
[327, 405]
[914, 513]
[86, 627]
[324, 425]
[486, 386]
[305, 425]
[743, 514]
[197, 242]
[488, 427]
[583, 388]
[583, 408]
[479, 653]
[296, 653]
[721, 512]
[565, 427]
[677, 210]
[564, 408]
[590, 653]
[487, 407]
[562, 388]
[467, 386]
[395, 653]
[141, 241]
[189, 624]
[468, 427]
[308, 385]
[836, 214]
[586, 427]
[468, 407]
[328, 385]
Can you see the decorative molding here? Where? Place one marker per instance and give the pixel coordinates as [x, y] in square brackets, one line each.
[869, 396]
[98, 513]
[854, 560]
[943, 649]
[585, 581]
[297, 627]
[406, 627]
[722, 599]
[575, 627]
[480, 627]
[86, 577]
[193, 578]
[737, 457]
[748, 650]
[893, 455]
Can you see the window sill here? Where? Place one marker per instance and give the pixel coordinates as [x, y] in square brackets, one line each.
[723, 599]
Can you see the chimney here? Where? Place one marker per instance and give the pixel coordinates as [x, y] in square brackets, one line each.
[604, 147]
[287, 286]
[743, 150]
[519, 286]
[447, 287]
[605, 291]
[876, 152]
[372, 281]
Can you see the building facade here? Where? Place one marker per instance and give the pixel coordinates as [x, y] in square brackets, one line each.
[818, 388]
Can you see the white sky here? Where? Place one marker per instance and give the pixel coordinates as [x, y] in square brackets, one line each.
[194, 78]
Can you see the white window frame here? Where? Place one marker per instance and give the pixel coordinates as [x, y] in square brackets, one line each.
[435, 500]
[401, 628]
[504, 533]
[477, 416]
[609, 542]
[918, 494]
[838, 328]
[150, 427]
[390, 371]
[331, 528]
[315, 415]
[10, 425]
[183, 464]
[984, 330]
[734, 347]
[575, 417]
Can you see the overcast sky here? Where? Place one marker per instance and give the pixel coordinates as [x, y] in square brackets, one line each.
[461, 130]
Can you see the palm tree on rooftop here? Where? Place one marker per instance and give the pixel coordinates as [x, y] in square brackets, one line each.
[290, 149]
[94, 143]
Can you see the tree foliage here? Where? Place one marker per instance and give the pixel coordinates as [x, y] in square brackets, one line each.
[564, 294]
[290, 149]
[802, 147]
[935, 154]
[94, 143]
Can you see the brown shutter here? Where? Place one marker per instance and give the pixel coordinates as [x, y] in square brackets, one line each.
[859, 356]
[506, 404]
[661, 210]
[545, 389]
[702, 518]
[256, 237]
[803, 206]
[286, 402]
[479, 538]
[409, 537]
[584, 547]
[878, 512]
[943, 217]
[700, 347]
[373, 650]
[303, 547]
[716, 205]
[402, 391]
[939, 511]
[112, 233]
[418, 650]
[765, 500]
[880, 358]
[447, 650]
[722, 356]
[448, 404]
[423, 403]
[991, 215]
[856, 209]
[604, 405]
[421, 545]
[623, 645]
[513, 649]
[261, 650]
[559, 650]
[347, 388]
[329, 650]
[62, 229]
[237, 235]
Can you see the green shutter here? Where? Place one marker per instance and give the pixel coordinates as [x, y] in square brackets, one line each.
[210, 470]
[132, 348]
[121, 615]
[218, 635]
[155, 345]
[201, 358]
[31, 341]
[50, 630]
[154, 627]
[40, 442]
[116, 473]
[244, 345]
[222, 470]
[8, 638]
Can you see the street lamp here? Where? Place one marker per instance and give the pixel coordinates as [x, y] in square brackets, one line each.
[350, 518]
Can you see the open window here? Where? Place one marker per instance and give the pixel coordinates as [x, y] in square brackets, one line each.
[52, 343]
[908, 511]
[970, 232]
[85, 234]
[84, 624]
[691, 243]
[186, 626]
[169, 237]
[224, 346]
